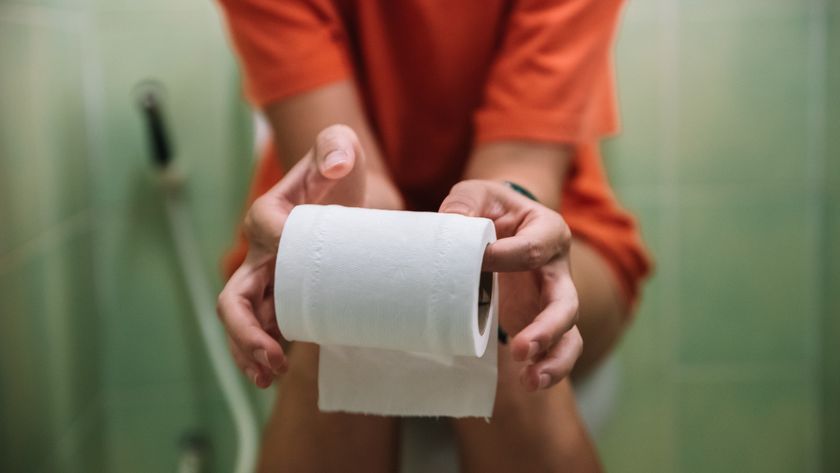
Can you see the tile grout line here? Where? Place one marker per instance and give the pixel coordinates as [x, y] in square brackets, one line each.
[731, 373]
[48, 204]
[41, 20]
[93, 85]
[61, 19]
[48, 238]
[668, 150]
[815, 153]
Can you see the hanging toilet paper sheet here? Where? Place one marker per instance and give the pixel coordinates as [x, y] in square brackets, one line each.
[405, 319]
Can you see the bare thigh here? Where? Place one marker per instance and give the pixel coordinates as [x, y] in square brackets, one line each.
[300, 438]
[542, 431]
[534, 432]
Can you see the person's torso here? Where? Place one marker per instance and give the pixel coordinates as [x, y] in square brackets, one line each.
[421, 66]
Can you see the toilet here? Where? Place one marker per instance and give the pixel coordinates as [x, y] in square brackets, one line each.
[428, 444]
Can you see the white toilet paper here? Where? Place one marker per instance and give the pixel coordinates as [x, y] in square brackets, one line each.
[395, 301]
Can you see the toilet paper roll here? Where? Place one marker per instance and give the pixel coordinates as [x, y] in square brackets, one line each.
[397, 301]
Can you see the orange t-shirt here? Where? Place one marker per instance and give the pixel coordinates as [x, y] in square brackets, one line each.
[439, 77]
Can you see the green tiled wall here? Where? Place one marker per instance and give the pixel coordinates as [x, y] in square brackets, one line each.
[831, 211]
[50, 351]
[102, 368]
[50, 382]
[728, 156]
[156, 363]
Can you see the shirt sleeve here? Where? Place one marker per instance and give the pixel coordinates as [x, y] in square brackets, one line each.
[286, 47]
[552, 79]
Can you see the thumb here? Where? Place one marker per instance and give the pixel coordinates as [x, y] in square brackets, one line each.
[467, 198]
[336, 151]
[337, 169]
[331, 172]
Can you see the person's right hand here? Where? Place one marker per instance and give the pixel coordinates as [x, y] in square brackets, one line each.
[538, 300]
[333, 172]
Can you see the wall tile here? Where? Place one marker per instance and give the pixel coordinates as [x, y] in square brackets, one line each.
[642, 436]
[632, 158]
[21, 220]
[187, 53]
[717, 10]
[83, 446]
[832, 103]
[43, 157]
[147, 430]
[24, 399]
[767, 426]
[150, 325]
[145, 435]
[125, 6]
[71, 333]
[194, 67]
[158, 7]
[141, 278]
[156, 369]
[830, 330]
[642, 346]
[831, 316]
[47, 7]
[640, 11]
[743, 90]
[748, 285]
[219, 425]
[50, 369]
[149, 337]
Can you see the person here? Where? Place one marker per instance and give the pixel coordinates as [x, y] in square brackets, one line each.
[425, 105]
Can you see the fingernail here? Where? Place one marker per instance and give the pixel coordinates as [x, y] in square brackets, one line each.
[457, 208]
[262, 357]
[544, 380]
[252, 374]
[533, 349]
[334, 158]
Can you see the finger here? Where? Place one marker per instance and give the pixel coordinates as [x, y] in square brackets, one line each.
[264, 224]
[556, 365]
[257, 374]
[335, 151]
[248, 336]
[332, 171]
[541, 237]
[537, 234]
[236, 310]
[557, 317]
[267, 316]
[471, 198]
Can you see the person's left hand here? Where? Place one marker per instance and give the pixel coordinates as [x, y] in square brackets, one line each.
[538, 301]
[333, 171]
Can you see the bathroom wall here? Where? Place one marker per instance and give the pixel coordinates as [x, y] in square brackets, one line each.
[50, 350]
[729, 162]
[102, 369]
[831, 283]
